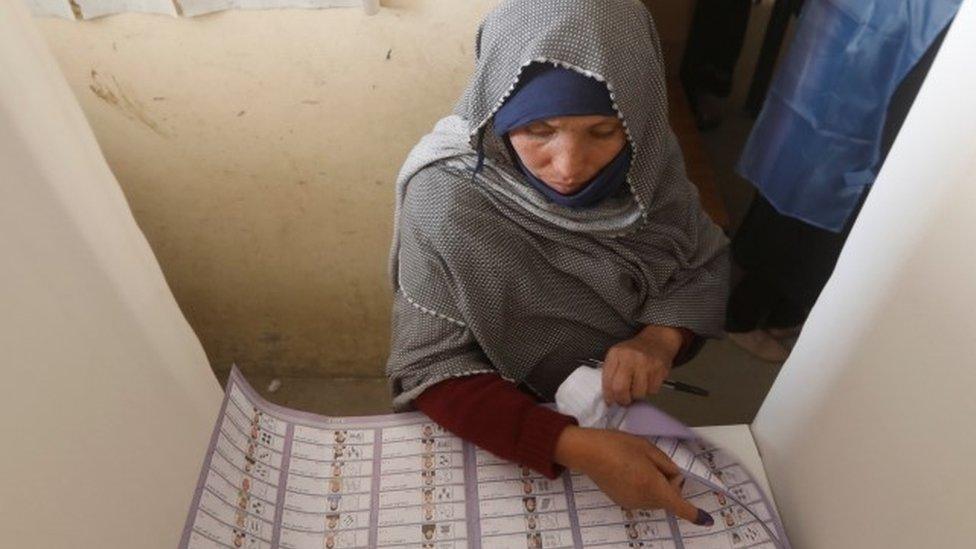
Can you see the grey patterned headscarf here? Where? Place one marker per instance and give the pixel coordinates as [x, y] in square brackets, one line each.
[490, 276]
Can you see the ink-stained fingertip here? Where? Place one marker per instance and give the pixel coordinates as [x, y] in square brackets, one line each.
[704, 519]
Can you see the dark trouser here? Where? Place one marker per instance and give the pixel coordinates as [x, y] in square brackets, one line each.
[787, 262]
[718, 29]
[755, 302]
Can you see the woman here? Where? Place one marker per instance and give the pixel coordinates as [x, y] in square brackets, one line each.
[550, 220]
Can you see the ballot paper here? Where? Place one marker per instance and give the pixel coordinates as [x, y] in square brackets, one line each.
[279, 478]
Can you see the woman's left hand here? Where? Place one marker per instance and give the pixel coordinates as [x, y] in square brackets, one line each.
[638, 366]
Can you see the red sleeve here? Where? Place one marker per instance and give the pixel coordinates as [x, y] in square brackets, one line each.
[495, 415]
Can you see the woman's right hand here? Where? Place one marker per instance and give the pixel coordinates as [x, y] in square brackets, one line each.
[634, 473]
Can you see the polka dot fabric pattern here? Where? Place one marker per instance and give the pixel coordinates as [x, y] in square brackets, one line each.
[490, 276]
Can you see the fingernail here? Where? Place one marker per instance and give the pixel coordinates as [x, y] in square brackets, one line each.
[704, 519]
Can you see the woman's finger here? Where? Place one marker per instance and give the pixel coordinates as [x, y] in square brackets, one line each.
[662, 461]
[681, 508]
[620, 386]
[639, 388]
[609, 369]
[671, 500]
[657, 379]
[677, 482]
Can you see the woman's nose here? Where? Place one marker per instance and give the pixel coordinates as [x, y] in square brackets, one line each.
[569, 162]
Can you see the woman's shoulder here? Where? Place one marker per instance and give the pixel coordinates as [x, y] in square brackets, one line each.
[440, 184]
[442, 200]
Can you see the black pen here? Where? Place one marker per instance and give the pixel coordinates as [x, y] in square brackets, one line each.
[673, 385]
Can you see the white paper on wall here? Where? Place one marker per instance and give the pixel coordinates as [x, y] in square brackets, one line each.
[98, 8]
[48, 8]
[200, 7]
[275, 4]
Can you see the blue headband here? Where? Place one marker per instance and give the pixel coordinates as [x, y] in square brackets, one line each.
[547, 91]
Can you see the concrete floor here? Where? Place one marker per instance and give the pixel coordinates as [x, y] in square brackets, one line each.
[737, 381]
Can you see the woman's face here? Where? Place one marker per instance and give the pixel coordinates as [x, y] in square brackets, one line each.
[566, 152]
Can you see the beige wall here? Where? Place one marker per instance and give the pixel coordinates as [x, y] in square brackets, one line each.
[258, 151]
[673, 18]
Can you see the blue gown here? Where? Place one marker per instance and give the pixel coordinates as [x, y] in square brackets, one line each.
[816, 144]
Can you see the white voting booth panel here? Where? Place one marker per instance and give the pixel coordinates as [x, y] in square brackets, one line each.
[867, 436]
[107, 399]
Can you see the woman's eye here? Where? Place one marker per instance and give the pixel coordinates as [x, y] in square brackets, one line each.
[604, 133]
[539, 131]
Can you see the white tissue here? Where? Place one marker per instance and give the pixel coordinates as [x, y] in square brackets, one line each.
[581, 396]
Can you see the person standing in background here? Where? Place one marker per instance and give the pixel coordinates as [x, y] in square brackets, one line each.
[834, 108]
[718, 30]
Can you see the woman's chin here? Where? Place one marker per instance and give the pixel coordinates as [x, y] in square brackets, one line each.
[565, 189]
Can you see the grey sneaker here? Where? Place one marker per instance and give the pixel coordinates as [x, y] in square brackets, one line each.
[761, 344]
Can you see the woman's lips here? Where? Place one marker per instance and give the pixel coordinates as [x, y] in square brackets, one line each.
[565, 188]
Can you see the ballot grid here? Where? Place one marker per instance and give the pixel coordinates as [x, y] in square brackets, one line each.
[278, 478]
